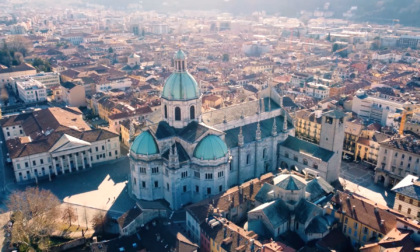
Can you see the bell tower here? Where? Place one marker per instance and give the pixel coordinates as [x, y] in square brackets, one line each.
[332, 138]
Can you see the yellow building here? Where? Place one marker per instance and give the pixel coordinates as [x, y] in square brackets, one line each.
[308, 125]
[407, 201]
[125, 131]
[212, 101]
[352, 130]
[362, 220]
[367, 146]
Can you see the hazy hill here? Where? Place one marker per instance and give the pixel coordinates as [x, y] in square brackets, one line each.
[379, 11]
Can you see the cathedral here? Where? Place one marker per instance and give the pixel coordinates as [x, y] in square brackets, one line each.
[189, 155]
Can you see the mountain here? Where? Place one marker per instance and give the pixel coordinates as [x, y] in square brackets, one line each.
[377, 11]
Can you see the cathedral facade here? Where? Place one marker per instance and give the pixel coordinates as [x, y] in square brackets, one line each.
[189, 156]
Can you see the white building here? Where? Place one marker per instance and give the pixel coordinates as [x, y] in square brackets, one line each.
[55, 141]
[317, 91]
[30, 91]
[50, 79]
[121, 84]
[375, 108]
[7, 75]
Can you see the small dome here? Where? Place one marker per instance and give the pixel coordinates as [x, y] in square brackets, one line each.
[181, 86]
[180, 55]
[210, 147]
[144, 144]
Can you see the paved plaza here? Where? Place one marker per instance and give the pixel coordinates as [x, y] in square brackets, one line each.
[104, 187]
[358, 178]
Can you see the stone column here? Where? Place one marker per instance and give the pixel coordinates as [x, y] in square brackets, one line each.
[54, 166]
[62, 164]
[386, 182]
[89, 159]
[83, 160]
[75, 162]
[68, 162]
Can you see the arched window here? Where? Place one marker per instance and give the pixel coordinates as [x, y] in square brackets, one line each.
[165, 111]
[264, 153]
[177, 114]
[192, 112]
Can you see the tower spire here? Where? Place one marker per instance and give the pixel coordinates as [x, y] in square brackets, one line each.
[274, 130]
[285, 121]
[258, 132]
[240, 137]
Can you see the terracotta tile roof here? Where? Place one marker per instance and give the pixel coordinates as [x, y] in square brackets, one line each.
[230, 236]
[44, 143]
[139, 111]
[44, 121]
[129, 216]
[22, 67]
[396, 240]
[233, 197]
[381, 219]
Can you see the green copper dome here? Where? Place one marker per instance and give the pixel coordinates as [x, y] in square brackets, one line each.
[144, 144]
[181, 86]
[211, 147]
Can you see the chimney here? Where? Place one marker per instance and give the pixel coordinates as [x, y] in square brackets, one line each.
[382, 222]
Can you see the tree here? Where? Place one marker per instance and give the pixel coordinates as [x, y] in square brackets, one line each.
[99, 221]
[33, 213]
[225, 57]
[335, 47]
[41, 65]
[19, 43]
[329, 37]
[110, 50]
[69, 214]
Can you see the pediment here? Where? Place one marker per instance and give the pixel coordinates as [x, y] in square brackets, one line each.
[67, 142]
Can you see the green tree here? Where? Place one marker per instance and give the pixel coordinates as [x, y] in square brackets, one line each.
[329, 37]
[41, 65]
[110, 50]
